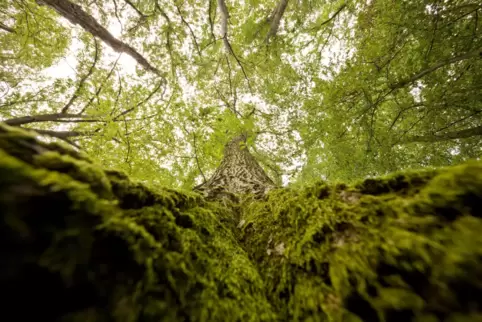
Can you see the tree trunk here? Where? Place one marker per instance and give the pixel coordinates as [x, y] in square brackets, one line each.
[79, 243]
[238, 174]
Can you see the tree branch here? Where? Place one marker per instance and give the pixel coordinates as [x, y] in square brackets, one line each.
[227, 45]
[140, 103]
[343, 6]
[76, 15]
[61, 134]
[83, 79]
[43, 118]
[276, 18]
[223, 9]
[462, 134]
[441, 64]
[135, 8]
[100, 87]
[211, 18]
[7, 28]
[197, 159]
[196, 44]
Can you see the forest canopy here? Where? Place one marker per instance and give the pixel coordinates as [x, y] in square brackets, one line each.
[338, 90]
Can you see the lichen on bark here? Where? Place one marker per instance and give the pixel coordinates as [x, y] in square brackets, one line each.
[80, 243]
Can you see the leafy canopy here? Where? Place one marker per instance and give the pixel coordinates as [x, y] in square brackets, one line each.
[339, 90]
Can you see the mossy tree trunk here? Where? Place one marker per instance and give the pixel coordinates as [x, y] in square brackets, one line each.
[80, 243]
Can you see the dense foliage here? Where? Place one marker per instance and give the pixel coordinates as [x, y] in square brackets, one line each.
[334, 89]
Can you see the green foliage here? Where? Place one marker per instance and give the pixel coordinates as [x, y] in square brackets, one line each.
[107, 248]
[339, 93]
[27, 47]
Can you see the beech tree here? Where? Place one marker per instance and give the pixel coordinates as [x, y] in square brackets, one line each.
[255, 161]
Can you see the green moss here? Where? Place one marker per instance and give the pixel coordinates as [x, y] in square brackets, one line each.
[392, 249]
[407, 182]
[83, 244]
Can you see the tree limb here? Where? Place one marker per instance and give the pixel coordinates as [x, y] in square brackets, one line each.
[7, 28]
[343, 6]
[83, 79]
[224, 31]
[100, 87]
[197, 159]
[441, 64]
[276, 18]
[140, 103]
[462, 134]
[211, 18]
[61, 134]
[223, 9]
[135, 8]
[196, 44]
[42, 118]
[76, 15]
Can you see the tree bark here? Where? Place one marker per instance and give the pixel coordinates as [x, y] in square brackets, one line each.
[239, 173]
[42, 118]
[275, 18]
[79, 243]
[462, 134]
[76, 15]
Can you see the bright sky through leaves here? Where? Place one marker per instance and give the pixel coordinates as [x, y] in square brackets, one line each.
[339, 90]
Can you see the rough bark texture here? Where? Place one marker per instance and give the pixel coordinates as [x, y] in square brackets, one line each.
[238, 174]
[76, 15]
[79, 243]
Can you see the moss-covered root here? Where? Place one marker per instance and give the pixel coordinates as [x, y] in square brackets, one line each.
[403, 248]
[81, 244]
